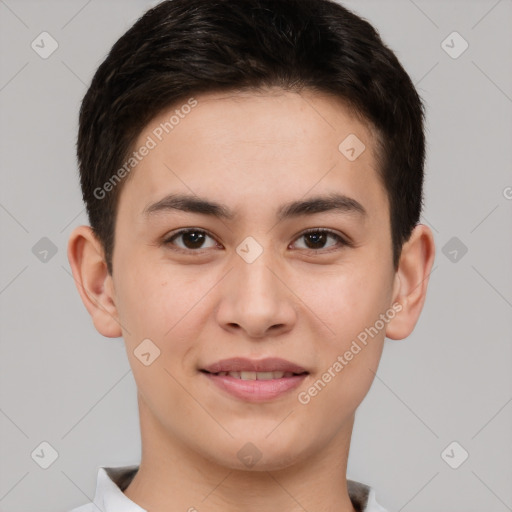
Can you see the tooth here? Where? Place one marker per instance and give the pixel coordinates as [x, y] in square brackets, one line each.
[265, 375]
[249, 375]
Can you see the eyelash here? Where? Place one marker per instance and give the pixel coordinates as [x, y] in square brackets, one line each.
[341, 241]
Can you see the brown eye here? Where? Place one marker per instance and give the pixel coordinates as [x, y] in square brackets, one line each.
[316, 239]
[192, 239]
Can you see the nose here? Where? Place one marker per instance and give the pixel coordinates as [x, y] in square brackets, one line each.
[256, 299]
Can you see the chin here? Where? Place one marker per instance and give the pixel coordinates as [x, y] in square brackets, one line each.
[260, 454]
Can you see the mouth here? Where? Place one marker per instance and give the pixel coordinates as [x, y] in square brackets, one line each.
[255, 380]
[248, 367]
[249, 375]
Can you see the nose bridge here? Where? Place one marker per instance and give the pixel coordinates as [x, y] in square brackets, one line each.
[255, 298]
[253, 273]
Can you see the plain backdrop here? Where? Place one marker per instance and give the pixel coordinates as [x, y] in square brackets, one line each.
[63, 384]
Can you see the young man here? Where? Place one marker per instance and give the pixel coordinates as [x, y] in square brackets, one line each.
[253, 173]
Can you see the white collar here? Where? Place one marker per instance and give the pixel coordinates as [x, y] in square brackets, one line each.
[112, 481]
[110, 485]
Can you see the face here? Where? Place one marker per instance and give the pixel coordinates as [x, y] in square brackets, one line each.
[232, 293]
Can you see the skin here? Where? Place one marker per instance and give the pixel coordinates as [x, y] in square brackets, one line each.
[299, 301]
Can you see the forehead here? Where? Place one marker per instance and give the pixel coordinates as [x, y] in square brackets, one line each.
[271, 117]
[217, 144]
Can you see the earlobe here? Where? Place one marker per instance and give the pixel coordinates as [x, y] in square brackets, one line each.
[94, 283]
[411, 281]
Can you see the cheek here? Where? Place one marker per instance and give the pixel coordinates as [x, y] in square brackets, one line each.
[158, 319]
[162, 304]
[346, 301]
[145, 302]
[349, 358]
[352, 306]
[362, 331]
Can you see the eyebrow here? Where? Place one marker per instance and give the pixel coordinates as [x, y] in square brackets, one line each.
[334, 202]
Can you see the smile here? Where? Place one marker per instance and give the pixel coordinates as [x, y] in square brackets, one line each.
[247, 375]
[255, 390]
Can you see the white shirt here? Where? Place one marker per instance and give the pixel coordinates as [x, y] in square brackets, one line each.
[112, 481]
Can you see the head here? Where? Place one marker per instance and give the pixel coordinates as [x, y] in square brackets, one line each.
[182, 48]
[274, 118]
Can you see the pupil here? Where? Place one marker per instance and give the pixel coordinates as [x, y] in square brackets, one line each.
[316, 238]
[195, 243]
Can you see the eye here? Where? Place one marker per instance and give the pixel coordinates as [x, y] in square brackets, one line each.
[193, 239]
[316, 239]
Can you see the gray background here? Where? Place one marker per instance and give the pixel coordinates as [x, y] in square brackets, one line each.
[63, 383]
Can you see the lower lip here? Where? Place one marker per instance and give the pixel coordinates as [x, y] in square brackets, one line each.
[256, 390]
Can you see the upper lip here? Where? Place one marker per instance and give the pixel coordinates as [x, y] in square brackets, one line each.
[242, 364]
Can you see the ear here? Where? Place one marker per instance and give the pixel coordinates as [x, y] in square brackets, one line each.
[411, 280]
[94, 283]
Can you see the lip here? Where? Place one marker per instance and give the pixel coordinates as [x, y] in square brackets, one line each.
[255, 391]
[242, 364]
